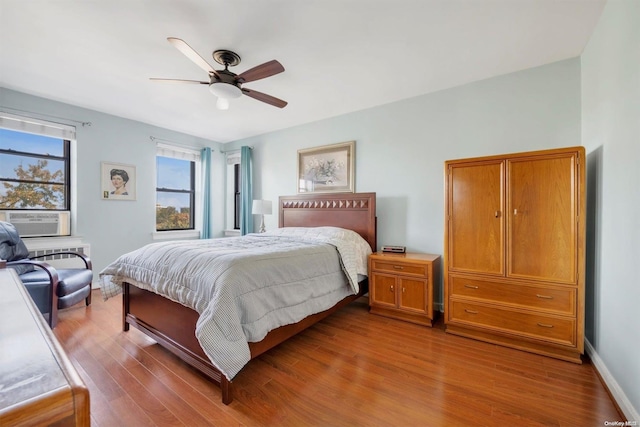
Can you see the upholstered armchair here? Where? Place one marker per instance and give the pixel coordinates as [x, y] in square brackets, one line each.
[51, 289]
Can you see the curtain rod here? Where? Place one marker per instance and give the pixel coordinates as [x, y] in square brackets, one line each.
[42, 115]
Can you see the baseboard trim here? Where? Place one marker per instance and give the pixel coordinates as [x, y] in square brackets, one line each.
[618, 395]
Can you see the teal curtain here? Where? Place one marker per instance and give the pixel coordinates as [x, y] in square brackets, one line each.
[207, 221]
[246, 191]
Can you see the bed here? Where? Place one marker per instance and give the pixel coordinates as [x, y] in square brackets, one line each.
[173, 325]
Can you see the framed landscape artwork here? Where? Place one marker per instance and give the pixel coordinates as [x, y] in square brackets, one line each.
[327, 169]
[118, 181]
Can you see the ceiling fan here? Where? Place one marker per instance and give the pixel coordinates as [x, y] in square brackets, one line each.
[225, 84]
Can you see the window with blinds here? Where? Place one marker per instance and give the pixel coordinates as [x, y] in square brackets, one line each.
[175, 187]
[34, 164]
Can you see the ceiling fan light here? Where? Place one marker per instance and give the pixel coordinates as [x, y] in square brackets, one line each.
[222, 104]
[225, 90]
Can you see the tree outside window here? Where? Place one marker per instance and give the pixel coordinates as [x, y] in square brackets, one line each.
[175, 194]
[34, 171]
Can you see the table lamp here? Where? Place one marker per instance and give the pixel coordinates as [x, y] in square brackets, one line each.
[262, 208]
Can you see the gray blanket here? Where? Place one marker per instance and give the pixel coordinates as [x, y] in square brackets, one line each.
[242, 287]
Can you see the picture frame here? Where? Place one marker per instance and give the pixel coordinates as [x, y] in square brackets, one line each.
[327, 169]
[118, 181]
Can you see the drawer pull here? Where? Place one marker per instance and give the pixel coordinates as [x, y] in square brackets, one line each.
[470, 311]
[470, 286]
[398, 267]
[544, 325]
[544, 296]
[391, 288]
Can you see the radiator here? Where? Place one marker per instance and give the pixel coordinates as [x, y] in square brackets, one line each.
[39, 247]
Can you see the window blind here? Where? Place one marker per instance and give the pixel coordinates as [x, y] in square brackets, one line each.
[38, 127]
[174, 151]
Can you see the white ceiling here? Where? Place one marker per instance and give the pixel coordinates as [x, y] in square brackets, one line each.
[340, 55]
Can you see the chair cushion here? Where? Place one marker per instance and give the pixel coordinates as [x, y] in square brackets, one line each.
[70, 280]
[74, 298]
[12, 248]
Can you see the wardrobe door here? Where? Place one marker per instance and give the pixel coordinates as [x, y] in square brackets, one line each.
[475, 217]
[542, 213]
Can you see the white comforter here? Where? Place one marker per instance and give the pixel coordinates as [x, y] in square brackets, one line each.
[243, 287]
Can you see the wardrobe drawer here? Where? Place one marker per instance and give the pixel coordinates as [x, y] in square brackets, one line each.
[556, 299]
[399, 267]
[531, 325]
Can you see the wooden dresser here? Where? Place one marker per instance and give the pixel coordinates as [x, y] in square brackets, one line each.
[401, 285]
[38, 383]
[515, 250]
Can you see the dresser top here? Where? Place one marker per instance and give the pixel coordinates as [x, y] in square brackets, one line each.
[38, 383]
[407, 256]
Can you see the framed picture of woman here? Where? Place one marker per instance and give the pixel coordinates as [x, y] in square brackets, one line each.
[118, 181]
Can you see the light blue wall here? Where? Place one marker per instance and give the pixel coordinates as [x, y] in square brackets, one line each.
[401, 147]
[112, 227]
[611, 135]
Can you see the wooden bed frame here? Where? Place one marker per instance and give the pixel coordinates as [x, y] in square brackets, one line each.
[172, 325]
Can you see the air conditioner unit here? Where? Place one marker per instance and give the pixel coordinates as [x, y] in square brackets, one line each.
[38, 223]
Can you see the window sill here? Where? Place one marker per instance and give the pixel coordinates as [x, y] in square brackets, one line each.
[231, 233]
[176, 235]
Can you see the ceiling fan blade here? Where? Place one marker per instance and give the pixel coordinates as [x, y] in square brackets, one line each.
[267, 69]
[178, 81]
[188, 51]
[272, 100]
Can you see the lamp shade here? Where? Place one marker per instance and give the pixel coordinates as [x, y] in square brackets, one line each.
[261, 207]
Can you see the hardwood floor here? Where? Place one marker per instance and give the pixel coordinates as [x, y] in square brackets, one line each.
[352, 369]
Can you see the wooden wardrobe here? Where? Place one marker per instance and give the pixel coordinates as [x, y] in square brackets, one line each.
[515, 250]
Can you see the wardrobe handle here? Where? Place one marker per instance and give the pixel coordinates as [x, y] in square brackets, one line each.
[544, 325]
[497, 214]
[470, 311]
[470, 286]
[391, 288]
[515, 211]
[544, 296]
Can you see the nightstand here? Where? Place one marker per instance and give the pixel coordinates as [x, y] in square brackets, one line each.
[401, 285]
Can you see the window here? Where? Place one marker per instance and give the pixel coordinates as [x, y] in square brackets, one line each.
[34, 164]
[34, 171]
[176, 170]
[236, 198]
[233, 192]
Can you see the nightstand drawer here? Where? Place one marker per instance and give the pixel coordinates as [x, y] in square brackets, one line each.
[549, 328]
[548, 298]
[399, 267]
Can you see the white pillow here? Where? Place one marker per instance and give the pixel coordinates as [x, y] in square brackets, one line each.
[360, 246]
